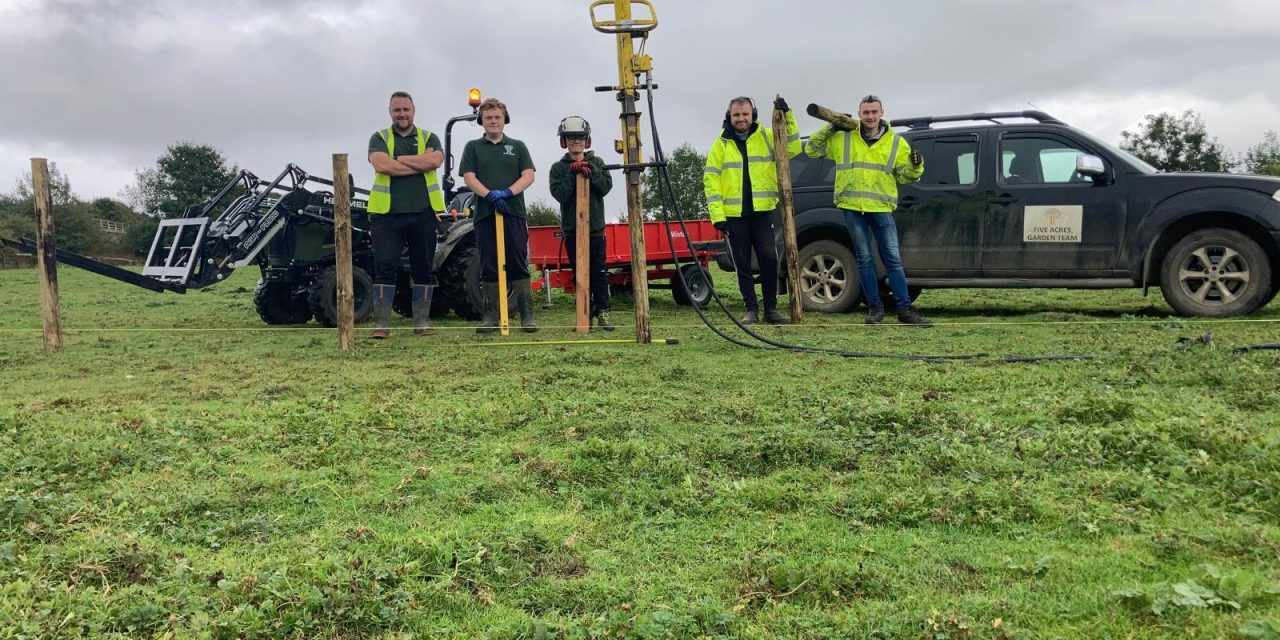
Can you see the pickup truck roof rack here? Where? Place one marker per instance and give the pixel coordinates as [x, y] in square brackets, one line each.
[995, 118]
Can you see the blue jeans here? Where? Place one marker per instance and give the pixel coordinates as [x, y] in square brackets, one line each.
[861, 227]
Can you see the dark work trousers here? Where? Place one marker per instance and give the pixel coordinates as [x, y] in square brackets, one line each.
[754, 232]
[391, 232]
[516, 232]
[596, 274]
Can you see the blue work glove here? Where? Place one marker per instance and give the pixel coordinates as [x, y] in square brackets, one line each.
[497, 194]
[502, 206]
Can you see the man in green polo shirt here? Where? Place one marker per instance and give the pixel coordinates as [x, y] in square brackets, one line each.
[498, 169]
[402, 205]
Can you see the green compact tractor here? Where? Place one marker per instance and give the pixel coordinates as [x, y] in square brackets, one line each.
[287, 230]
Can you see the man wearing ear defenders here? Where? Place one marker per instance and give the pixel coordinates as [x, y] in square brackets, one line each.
[741, 183]
[498, 169]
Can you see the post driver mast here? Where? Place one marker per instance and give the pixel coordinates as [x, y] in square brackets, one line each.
[631, 64]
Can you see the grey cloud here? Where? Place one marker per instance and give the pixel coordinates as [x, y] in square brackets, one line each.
[110, 83]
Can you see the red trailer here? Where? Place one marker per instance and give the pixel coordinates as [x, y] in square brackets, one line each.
[547, 254]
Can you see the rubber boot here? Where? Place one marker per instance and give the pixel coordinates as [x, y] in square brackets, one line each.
[750, 317]
[524, 301]
[489, 323]
[383, 294]
[422, 310]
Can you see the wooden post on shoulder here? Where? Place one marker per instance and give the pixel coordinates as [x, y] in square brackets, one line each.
[342, 252]
[787, 207]
[582, 255]
[46, 255]
[834, 117]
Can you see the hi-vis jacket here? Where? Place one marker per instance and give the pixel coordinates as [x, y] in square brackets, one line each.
[380, 194]
[722, 176]
[867, 177]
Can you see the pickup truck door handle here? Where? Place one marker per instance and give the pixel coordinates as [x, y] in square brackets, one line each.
[1004, 198]
[908, 202]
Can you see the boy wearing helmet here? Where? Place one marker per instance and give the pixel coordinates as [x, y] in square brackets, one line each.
[575, 138]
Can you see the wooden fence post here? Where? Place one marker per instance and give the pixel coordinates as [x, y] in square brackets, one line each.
[786, 205]
[46, 255]
[342, 251]
[582, 255]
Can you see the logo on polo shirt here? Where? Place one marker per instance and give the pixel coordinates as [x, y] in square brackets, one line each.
[510, 148]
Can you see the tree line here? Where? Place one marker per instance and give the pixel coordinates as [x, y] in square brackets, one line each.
[188, 173]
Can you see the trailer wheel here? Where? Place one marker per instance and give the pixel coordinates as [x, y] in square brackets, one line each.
[1216, 273]
[281, 302]
[698, 292]
[828, 277]
[323, 296]
[461, 282]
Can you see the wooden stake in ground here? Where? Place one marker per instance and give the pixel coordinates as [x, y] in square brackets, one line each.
[46, 255]
[582, 255]
[504, 322]
[342, 252]
[786, 206]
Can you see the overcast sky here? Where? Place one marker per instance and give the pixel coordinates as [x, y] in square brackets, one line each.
[103, 86]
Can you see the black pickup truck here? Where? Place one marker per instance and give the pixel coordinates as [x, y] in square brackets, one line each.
[1037, 203]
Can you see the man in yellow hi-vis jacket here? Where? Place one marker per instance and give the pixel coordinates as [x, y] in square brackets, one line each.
[741, 183]
[403, 204]
[871, 161]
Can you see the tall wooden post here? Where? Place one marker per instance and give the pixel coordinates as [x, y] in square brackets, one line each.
[629, 69]
[46, 255]
[342, 252]
[787, 207]
[582, 255]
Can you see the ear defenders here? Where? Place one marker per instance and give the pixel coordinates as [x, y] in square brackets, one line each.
[755, 114]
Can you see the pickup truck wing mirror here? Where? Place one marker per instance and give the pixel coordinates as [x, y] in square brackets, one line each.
[1090, 165]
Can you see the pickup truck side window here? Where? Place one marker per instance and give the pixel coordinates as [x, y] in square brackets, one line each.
[1029, 159]
[949, 161]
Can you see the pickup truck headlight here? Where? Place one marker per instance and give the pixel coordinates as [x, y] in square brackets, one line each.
[1276, 196]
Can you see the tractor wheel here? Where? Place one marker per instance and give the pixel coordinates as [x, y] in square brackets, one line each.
[1216, 273]
[402, 304]
[460, 282]
[281, 302]
[323, 296]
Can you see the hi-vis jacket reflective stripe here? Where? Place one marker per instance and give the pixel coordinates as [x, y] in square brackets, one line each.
[722, 176]
[867, 177]
[380, 194]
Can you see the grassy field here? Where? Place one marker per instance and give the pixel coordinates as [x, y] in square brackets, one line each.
[183, 471]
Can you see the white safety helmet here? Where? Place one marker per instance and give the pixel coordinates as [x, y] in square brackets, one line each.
[575, 126]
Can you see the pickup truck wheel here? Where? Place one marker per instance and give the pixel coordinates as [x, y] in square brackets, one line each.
[828, 277]
[1216, 273]
[280, 302]
[323, 296]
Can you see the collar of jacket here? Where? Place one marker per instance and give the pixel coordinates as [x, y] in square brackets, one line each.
[885, 129]
[729, 134]
[568, 159]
